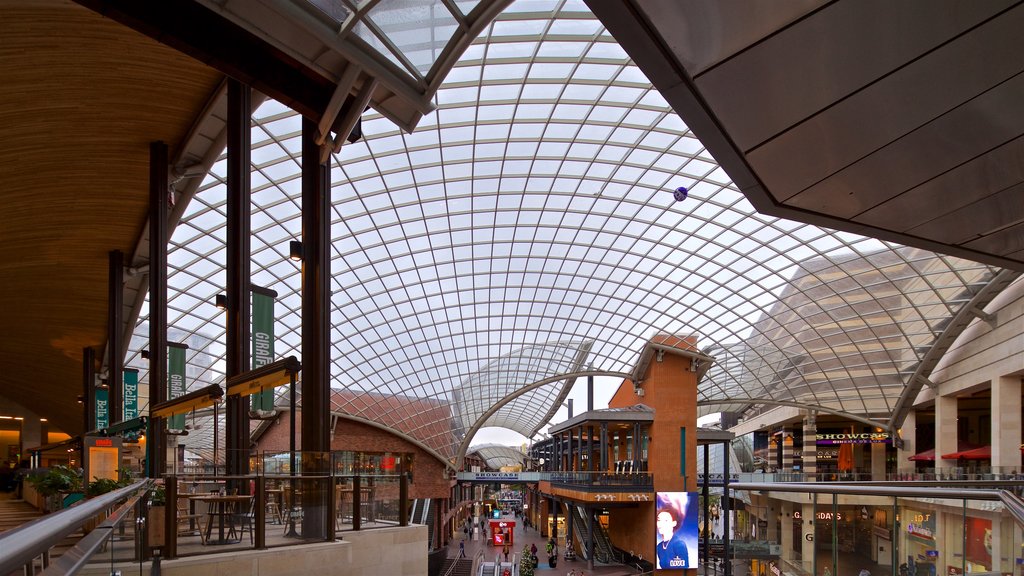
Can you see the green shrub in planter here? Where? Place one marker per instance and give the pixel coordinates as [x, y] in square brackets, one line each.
[55, 480]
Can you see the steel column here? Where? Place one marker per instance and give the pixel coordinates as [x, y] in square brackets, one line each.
[316, 275]
[156, 444]
[115, 331]
[88, 391]
[239, 229]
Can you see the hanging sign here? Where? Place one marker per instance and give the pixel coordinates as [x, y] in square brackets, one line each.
[102, 408]
[176, 381]
[131, 394]
[262, 343]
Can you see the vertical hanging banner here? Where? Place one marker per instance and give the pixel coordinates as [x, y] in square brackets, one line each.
[262, 344]
[176, 381]
[102, 408]
[131, 393]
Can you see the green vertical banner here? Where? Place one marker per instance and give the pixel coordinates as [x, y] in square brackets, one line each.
[102, 409]
[176, 381]
[131, 394]
[262, 343]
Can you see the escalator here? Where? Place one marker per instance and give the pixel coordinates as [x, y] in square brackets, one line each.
[604, 552]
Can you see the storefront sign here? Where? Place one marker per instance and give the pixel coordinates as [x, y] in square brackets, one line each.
[496, 476]
[797, 515]
[862, 438]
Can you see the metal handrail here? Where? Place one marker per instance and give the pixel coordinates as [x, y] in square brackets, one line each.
[76, 558]
[1013, 504]
[26, 542]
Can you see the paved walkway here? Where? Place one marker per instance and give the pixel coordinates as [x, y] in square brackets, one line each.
[522, 538]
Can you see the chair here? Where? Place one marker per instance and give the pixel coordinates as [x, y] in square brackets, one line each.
[292, 513]
[188, 522]
[244, 520]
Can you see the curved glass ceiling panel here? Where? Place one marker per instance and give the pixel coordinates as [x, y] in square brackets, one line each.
[534, 207]
[497, 456]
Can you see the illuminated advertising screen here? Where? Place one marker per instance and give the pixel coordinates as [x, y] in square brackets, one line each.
[676, 530]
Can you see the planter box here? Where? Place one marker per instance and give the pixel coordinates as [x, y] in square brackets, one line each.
[155, 525]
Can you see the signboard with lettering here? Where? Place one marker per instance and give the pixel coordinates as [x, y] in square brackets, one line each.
[131, 394]
[262, 345]
[176, 381]
[855, 438]
[102, 408]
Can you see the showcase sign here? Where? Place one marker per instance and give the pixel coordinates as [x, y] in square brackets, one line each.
[861, 438]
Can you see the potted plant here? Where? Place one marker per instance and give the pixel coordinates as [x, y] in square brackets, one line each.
[53, 482]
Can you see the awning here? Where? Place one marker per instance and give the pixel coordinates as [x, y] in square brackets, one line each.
[979, 453]
[929, 455]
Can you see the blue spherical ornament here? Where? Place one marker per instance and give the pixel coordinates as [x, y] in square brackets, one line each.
[680, 194]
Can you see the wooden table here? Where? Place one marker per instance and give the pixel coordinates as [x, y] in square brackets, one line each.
[220, 506]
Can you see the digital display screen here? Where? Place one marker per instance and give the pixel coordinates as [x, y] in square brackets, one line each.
[676, 530]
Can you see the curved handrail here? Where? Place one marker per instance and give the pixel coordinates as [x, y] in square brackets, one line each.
[455, 564]
[22, 544]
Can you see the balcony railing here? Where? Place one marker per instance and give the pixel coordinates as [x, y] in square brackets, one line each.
[602, 480]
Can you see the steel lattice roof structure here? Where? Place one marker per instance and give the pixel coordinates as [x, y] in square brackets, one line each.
[525, 234]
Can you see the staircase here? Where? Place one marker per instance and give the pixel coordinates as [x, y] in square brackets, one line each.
[462, 567]
[14, 513]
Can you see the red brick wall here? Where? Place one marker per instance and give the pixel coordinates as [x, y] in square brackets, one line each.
[429, 480]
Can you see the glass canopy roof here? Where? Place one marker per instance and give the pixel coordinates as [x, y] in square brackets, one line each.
[411, 34]
[528, 229]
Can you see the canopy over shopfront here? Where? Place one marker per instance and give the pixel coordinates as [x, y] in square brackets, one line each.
[979, 453]
[929, 455]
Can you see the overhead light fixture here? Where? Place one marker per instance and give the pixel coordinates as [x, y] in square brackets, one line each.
[145, 354]
[295, 250]
[265, 377]
[222, 301]
[192, 401]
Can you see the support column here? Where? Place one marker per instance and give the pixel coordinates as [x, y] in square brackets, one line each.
[908, 434]
[636, 448]
[590, 537]
[604, 447]
[772, 518]
[239, 230]
[810, 450]
[316, 275]
[705, 553]
[807, 545]
[88, 392]
[156, 437]
[115, 339]
[786, 530]
[590, 449]
[787, 449]
[725, 508]
[945, 430]
[878, 462]
[1006, 423]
